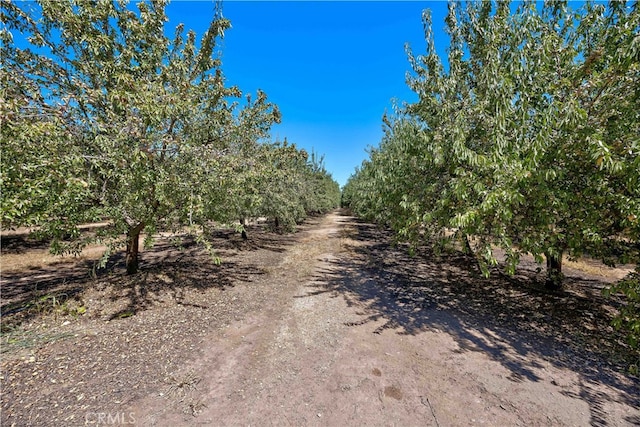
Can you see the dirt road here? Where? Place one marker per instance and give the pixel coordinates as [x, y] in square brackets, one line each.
[336, 345]
[331, 326]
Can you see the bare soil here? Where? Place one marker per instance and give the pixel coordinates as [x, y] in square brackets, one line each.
[333, 325]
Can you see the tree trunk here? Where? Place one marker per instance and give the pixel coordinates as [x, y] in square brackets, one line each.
[467, 244]
[243, 222]
[133, 245]
[277, 224]
[469, 251]
[554, 271]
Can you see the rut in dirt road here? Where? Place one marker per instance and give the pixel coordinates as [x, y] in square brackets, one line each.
[356, 333]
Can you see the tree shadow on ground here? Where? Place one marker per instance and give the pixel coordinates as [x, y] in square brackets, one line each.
[173, 267]
[180, 280]
[513, 320]
[21, 243]
[259, 237]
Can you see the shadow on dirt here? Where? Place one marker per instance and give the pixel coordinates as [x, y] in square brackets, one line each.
[171, 268]
[21, 243]
[511, 319]
[259, 237]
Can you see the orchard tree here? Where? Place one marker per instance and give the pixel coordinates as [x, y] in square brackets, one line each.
[232, 164]
[320, 192]
[109, 118]
[555, 97]
[282, 184]
[293, 185]
[528, 139]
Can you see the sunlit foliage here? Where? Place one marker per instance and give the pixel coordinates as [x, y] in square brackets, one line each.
[105, 118]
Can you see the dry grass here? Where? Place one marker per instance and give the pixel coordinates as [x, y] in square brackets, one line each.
[315, 245]
[597, 268]
[38, 255]
[42, 257]
[300, 258]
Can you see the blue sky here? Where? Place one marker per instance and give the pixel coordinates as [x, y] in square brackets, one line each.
[333, 68]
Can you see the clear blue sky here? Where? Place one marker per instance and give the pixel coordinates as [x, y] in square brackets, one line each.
[332, 67]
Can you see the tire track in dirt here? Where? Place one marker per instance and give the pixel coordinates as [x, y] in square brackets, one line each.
[322, 354]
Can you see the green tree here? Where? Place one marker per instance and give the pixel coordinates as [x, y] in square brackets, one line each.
[528, 139]
[124, 117]
[321, 193]
[293, 185]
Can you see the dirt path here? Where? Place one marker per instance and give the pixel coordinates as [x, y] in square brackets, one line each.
[341, 339]
[331, 326]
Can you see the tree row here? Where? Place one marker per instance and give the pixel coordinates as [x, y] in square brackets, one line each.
[526, 138]
[104, 117]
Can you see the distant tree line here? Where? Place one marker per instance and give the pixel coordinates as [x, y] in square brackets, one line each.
[105, 117]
